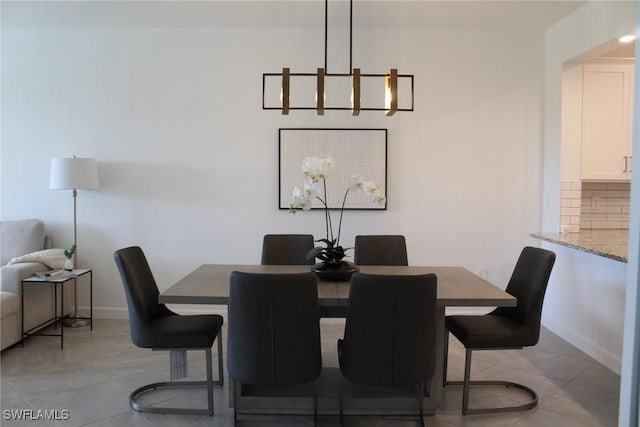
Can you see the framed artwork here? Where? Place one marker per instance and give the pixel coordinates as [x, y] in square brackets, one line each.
[354, 151]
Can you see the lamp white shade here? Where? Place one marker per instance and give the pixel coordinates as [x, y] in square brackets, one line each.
[72, 173]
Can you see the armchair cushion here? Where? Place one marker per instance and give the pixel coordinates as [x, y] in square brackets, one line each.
[9, 302]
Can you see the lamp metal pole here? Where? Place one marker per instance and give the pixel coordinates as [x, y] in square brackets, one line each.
[74, 321]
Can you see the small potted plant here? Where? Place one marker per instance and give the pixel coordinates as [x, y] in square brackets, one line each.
[68, 253]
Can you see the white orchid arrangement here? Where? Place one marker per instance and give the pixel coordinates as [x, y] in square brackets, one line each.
[315, 172]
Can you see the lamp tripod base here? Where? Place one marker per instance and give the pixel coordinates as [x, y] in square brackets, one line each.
[75, 322]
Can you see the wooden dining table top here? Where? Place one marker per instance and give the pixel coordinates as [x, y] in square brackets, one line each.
[457, 286]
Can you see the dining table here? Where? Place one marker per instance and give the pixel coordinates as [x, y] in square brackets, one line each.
[456, 287]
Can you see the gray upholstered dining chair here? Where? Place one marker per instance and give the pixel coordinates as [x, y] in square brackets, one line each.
[284, 249]
[153, 325]
[504, 327]
[274, 331]
[390, 332]
[380, 250]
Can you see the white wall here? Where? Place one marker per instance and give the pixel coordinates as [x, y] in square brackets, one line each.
[571, 129]
[188, 161]
[585, 299]
[630, 372]
[584, 303]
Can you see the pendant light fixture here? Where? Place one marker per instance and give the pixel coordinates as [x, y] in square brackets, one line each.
[388, 83]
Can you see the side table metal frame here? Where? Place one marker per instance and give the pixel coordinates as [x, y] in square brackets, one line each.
[55, 281]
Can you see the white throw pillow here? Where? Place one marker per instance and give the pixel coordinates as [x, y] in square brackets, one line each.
[52, 258]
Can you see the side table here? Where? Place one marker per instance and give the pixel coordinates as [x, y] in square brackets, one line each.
[58, 282]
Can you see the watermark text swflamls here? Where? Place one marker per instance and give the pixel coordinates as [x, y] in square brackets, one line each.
[36, 414]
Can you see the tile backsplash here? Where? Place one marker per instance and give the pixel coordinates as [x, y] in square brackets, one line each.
[594, 205]
[570, 202]
[605, 205]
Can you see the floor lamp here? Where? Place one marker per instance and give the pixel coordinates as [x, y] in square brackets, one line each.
[74, 173]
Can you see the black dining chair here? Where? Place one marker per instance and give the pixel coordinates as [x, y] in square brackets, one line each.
[287, 249]
[380, 250]
[504, 327]
[153, 325]
[390, 332]
[274, 331]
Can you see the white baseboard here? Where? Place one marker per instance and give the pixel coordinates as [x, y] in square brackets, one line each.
[109, 313]
[585, 345]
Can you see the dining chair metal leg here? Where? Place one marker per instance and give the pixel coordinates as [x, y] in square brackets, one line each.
[340, 401]
[446, 358]
[220, 381]
[315, 408]
[467, 380]
[466, 384]
[421, 403]
[209, 380]
[206, 384]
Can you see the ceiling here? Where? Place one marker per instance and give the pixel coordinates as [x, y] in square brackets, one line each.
[627, 50]
[500, 14]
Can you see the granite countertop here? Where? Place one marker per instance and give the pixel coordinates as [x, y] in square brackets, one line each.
[606, 243]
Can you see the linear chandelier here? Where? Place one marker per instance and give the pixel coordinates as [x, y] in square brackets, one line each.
[359, 82]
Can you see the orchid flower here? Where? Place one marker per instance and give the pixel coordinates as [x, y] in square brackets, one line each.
[379, 199]
[310, 165]
[317, 169]
[327, 167]
[356, 182]
[311, 189]
[370, 187]
[300, 201]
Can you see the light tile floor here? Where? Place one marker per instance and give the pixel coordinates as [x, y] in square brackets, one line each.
[94, 374]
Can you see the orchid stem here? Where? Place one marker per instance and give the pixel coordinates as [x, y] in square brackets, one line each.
[327, 215]
[344, 200]
[326, 211]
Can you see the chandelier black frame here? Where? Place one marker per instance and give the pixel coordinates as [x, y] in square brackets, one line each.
[390, 82]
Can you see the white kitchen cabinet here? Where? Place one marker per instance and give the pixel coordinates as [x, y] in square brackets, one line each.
[607, 111]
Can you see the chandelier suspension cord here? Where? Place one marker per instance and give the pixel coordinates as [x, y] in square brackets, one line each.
[350, 36]
[326, 24]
